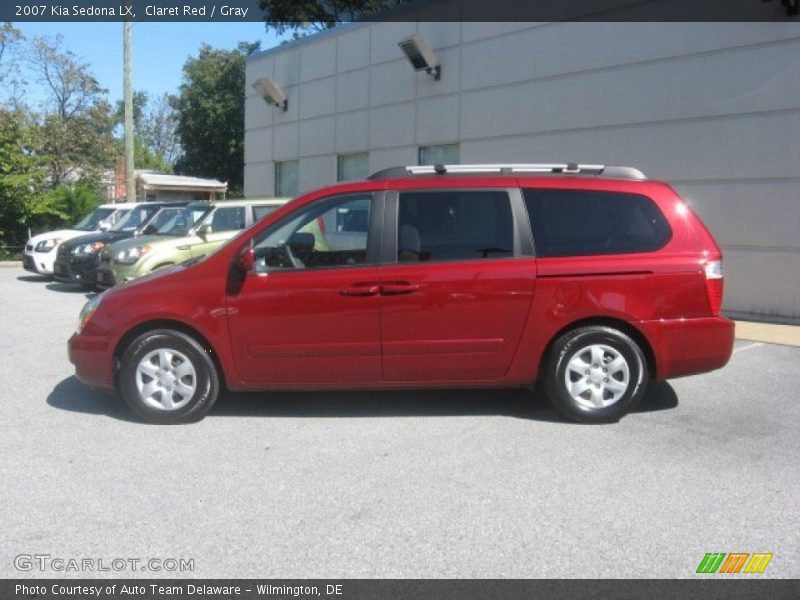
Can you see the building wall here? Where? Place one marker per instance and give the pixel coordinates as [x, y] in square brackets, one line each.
[712, 107]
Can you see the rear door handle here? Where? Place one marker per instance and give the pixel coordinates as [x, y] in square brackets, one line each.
[396, 288]
[361, 289]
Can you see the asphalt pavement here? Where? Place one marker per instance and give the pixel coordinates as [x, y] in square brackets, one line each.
[452, 484]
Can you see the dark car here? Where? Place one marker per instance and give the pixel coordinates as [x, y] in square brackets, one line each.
[591, 280]
[77, 259]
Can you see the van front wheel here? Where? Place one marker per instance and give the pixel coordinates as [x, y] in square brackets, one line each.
[595, 374]
[166, 376]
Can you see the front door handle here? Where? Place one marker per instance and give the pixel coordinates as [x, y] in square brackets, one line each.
[396, 288]
[361, 289]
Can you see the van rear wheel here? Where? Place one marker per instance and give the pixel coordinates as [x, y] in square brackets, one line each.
[166, 376]
[595, 374]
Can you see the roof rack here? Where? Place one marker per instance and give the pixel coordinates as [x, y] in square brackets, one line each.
[503, 169]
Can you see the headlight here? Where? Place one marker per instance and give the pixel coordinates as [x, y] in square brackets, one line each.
[92, 248]
[47, 245]
[131, 255]
[87, 311]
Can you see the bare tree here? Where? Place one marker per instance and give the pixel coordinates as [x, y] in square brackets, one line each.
[76, 120]
[13, 85]
[10, 37]
[158, 129]
[72, 89]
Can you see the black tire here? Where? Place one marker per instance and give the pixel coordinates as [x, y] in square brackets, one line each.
[576, 342]
[206, 378]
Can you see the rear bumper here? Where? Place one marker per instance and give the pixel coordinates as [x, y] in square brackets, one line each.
[689, 346]
[92, 357]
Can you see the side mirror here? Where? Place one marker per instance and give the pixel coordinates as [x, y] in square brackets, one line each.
[246, 259]
[204, 230]
[104, 226]
[149, 230]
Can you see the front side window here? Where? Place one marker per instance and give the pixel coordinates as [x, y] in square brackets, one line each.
[454, 225]
[227, 218]
[328, 233]
[587, 222]
[287, 178]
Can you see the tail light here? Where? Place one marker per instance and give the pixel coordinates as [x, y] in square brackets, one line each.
[714, 285]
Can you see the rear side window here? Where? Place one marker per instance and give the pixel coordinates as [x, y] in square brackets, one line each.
[435, 226]
[585, 222]
[259, 212]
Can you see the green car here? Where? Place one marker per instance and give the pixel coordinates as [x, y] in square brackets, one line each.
[178, 234]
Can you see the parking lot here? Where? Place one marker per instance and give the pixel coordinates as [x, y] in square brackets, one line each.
[392, 484]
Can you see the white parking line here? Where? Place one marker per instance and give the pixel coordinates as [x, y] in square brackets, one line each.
[748, 347]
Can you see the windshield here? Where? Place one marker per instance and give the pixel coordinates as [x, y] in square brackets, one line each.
[181, 221]
[134, 218]
[161, 218]
[92, 221]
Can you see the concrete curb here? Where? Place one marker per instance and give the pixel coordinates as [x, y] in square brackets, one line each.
[769, 333]
[10, 263]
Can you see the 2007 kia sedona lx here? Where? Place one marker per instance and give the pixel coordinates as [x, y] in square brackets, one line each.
[592, 279]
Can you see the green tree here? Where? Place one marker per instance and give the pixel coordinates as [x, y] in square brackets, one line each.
[144, 158]
[71, 203]
[154, 126]
[140, 100]
[210, 109]
[22, 178]
[299, 17]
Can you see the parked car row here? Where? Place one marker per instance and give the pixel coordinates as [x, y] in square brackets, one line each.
[589, 279]
[127, 241]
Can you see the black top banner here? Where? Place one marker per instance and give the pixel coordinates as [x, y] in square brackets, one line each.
[416, 10]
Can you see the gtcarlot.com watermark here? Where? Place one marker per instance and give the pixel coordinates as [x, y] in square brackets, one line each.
[61, 564]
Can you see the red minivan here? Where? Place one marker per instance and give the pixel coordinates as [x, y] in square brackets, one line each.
[591, 279]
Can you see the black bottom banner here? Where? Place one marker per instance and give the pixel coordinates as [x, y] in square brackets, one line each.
[440, 589]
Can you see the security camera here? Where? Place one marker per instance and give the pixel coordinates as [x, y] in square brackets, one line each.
[271, 93]
[421, 57]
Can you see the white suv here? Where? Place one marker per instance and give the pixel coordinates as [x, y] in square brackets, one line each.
[40, 250]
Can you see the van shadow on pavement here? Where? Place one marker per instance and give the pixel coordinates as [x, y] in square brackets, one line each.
[71, 395]
[68, 288]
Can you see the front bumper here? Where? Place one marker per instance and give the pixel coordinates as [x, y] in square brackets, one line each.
[689, 346]
[42, 261]
[104, 277]
[93, 360]
[28, 263]
[62, 271]
[123, 273]
[76, 269]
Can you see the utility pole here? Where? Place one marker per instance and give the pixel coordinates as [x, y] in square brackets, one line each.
[130, 178]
